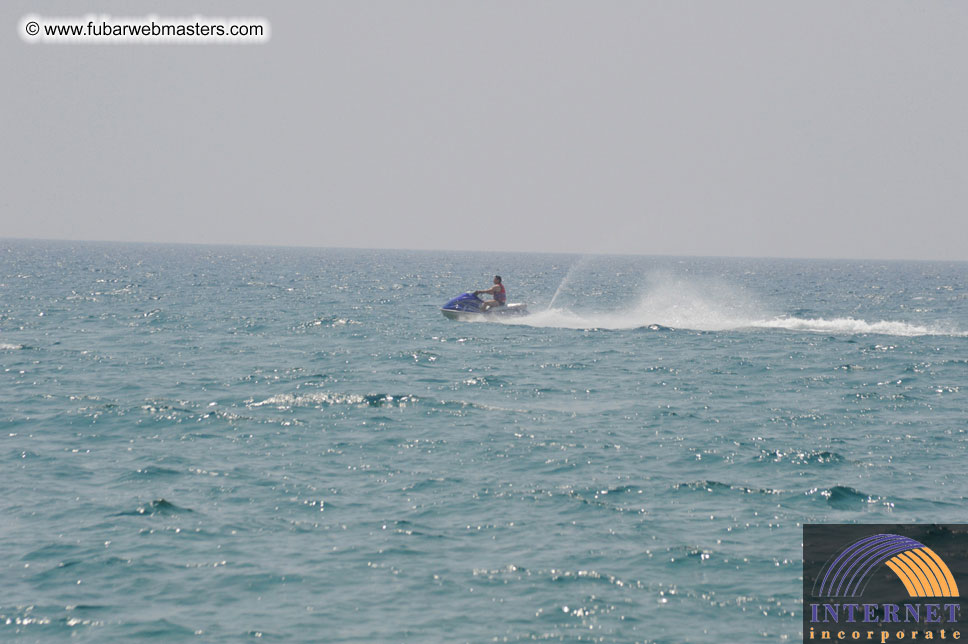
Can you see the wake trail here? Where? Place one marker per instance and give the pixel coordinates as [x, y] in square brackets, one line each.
[706, 321]
[699, 305]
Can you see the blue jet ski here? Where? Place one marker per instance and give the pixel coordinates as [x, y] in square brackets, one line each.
[467, 306]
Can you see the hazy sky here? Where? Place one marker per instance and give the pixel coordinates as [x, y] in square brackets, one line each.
[802, 129]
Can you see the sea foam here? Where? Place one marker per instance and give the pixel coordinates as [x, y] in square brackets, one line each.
[709, 305]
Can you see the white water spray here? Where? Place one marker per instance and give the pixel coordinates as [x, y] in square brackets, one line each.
[566, 280]
[712, 305]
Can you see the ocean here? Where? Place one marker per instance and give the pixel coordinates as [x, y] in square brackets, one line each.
[224, 444]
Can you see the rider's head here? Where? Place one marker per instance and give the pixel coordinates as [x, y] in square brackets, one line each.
[497, 279]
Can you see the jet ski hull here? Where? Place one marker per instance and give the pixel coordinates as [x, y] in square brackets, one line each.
[509, 310]
[468, 306]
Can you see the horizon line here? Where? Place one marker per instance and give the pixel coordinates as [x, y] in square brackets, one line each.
[478, 250]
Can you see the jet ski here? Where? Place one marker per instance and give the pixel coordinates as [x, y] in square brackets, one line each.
[467, 306]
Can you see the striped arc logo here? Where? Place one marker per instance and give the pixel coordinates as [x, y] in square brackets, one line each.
[919, 568]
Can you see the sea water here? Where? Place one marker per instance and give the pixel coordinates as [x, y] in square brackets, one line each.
[219, 444]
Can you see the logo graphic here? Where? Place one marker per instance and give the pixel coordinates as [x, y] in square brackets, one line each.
[919, 568]
[884, 583]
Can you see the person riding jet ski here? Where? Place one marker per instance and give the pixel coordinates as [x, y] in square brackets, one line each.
[469, 306]
[500, 295]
